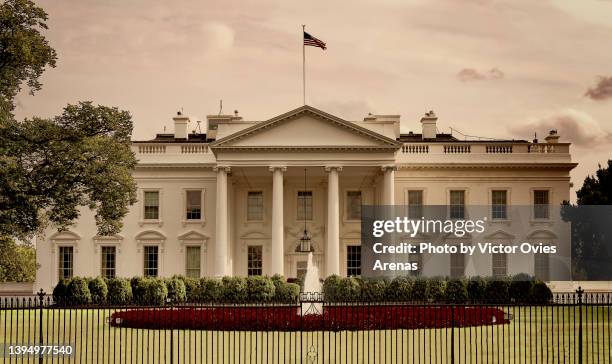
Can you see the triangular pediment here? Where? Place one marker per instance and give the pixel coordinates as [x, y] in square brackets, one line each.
[305, 128]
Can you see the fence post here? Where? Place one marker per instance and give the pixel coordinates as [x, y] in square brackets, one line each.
[169, 300]
[41, 294]
[452, 334]
[580, 292]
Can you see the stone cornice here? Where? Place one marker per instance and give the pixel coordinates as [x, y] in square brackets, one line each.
[564, 166]
[325, 148]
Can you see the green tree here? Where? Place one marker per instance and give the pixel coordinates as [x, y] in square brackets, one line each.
[24, 51]
[51, 167]
[591, 228]
[17, 261]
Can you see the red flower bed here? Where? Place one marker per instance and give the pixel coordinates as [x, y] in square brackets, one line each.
[287, 318]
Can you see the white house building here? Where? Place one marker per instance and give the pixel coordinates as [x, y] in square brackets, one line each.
[233, 201]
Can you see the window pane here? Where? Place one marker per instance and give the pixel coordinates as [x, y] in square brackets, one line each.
[499, 204]
[353, 260]
[150, 261]
[194, 205]
[304, 205]
[418, 259]
[541, 204]
[457, 204]
[415, 204]
[108, 263]
[457, 265]
[192, 264]
[301, 269]
[541, 268]
[499, 264]
[254, 260]
[255, 206]
[353, 205]
[66, 262]
[151, 205]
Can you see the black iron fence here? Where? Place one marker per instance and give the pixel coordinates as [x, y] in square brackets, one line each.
[573, 328]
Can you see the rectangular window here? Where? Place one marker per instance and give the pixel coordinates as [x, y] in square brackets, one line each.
[415, 204]
[353, 205]
[304, 205]
[109, 261]
[457, 265]
[353, 260]
[151, 205]
[255, 260]
[541, 204]
[66, 262]
[499, 263]
[301, 269]
[193, 205]
[542, 266]
[457, 204]
[151, 261]
[192, 261]
[418, 259]
[499, 204]
[255, 206]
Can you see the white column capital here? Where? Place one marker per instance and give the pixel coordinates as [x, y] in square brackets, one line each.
[389, 168]
[332, 168]
[280, 168]
[227, 169]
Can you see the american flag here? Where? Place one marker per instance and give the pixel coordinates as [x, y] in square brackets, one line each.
[309, 40]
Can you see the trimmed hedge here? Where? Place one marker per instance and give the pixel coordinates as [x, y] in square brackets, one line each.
[119, 291]
[98, 290]
[176, 290]
[78, 291]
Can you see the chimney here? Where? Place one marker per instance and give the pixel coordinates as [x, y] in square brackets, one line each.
[180, 126]
[552, 137]
[428, 123]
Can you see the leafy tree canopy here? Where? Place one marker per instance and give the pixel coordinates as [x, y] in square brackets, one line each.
[597, 189]
[24, 51]
[17, 261]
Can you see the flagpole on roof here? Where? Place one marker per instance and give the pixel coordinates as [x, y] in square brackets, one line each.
[303, 65]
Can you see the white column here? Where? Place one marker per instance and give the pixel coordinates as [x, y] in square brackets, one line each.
[389, 185]
[221, 227]
[332, 253]
[278, 227]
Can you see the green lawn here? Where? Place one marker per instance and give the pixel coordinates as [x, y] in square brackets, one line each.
[543, 334]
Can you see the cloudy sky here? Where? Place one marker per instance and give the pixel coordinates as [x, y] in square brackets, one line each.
[504, 69]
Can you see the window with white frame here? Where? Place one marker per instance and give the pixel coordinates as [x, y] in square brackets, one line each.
[108, 264]
[499, 204]
[415, 204]
[151, 205]
[499, 263]
[255, 260]
[66, 262]
[418, 259]
[304, 205]
[301, 269]
[151, 261]
[192, 261]
[457, 265]
[353, 205]
[457, 204]
[255, 206]
[542, 266]
[353, 260]
[541, 204]
[193, 205]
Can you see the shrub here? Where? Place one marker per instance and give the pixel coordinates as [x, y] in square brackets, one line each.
[331, 287]
[119, 291]
[234, 289]
[260, 289]
[520, 288]
[435, 289]
[210, 290]
[418, 291]
[192, 288]
[399, 289]
[287, 293]
[456, 291]
[176, 289]
[349, 289]
[98, 289]
[150, 291]
[540, 293]
[373, 290]
[476, 289]
[60, 291]
[77, 291]
[496, 289]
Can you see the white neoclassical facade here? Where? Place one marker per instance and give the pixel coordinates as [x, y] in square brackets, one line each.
[233, 200]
